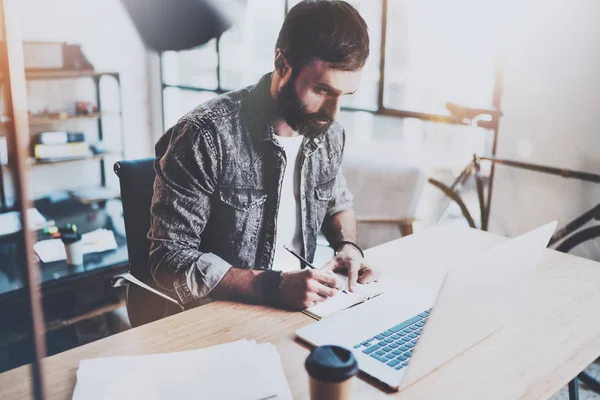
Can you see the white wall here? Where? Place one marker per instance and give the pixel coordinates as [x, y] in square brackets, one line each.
[111, 43]
[552, 113]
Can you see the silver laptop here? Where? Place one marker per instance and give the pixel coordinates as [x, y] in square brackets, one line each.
[404, 334]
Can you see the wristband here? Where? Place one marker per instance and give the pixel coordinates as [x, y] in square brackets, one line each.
[272, 287]
[343, 242]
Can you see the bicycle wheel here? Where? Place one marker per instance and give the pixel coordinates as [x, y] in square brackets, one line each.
[583, 244]
[586, 243]
[450, 195]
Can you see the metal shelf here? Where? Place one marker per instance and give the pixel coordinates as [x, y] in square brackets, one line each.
[55, 118]
[33, 161]
[50, 120]
[60, 74]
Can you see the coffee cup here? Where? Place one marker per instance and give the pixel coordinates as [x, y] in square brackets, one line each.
[73, 248]
[331, 369]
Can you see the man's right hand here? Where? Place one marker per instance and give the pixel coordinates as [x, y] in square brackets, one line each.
[304, 288]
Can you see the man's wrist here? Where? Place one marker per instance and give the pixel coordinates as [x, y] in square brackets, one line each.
[271, 287]
[342, 244]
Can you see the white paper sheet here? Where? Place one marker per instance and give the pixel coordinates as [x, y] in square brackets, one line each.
[51, 250]
[10, 222]
[238, 370]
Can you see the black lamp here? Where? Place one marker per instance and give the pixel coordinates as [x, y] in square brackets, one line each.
[181, 24]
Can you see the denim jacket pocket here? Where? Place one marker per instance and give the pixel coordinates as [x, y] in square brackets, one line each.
[323, 193]
[240, 216]
[242, 199]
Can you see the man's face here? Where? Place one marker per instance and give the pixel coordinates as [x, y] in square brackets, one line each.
[309, 101]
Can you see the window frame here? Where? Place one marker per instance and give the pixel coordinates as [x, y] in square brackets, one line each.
[495, 112]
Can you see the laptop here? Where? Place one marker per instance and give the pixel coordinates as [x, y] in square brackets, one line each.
[402, 335]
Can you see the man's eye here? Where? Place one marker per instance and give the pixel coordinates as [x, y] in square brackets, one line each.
[322, 91]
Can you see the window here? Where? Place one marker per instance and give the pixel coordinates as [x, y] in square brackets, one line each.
[439, 51]
[436, 52]
[194, 68]
[177, 102]
[247, 50]
[366, 96]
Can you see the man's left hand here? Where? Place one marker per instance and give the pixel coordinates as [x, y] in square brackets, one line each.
[350, 260]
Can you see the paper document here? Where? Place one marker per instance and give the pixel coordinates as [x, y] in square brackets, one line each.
[126, 276]
[97, 241]
[239, 370]
[10, 222]
[94, 194]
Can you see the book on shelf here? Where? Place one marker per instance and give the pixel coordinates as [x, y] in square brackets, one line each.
[61, 151]
[60, 137]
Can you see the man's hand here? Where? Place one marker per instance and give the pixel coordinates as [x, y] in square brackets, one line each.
[350, 260]
[305, 288]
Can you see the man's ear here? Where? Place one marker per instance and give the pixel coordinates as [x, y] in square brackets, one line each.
[281, 65]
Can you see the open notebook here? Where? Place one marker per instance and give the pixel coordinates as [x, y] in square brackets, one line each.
[345, 299]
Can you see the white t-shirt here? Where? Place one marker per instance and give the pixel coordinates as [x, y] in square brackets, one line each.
[289, 231]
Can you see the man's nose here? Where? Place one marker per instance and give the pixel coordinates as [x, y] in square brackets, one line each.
[332, 107]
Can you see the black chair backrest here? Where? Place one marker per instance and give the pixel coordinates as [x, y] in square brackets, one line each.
[137, 185]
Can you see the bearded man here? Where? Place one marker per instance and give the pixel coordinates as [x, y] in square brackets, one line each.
[245, 174]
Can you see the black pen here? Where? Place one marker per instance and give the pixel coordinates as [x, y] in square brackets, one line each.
[309, 265]
[299, 257]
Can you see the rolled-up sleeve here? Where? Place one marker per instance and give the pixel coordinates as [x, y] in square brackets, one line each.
[186, 177]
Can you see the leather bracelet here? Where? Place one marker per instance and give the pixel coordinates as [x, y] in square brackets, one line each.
[272, 287]
[343, 242]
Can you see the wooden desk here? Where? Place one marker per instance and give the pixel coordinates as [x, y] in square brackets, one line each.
[552, 337]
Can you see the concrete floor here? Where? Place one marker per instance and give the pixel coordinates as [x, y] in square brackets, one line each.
[584, 393]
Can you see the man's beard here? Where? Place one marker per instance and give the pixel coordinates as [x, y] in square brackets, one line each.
[294, 112]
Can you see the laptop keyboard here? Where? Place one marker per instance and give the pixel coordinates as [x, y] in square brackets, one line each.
[394, 346]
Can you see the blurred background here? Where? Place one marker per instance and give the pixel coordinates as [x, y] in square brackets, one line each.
[444, 80]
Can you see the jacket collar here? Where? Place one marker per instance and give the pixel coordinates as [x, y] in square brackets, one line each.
[262, 110]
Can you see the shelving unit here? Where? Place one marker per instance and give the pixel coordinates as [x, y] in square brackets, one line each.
[48, 120]
[36, 121]
[59, 74]
[33, 161]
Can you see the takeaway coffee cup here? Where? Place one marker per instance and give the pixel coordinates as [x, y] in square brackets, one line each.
[331, 369]
[73, 248]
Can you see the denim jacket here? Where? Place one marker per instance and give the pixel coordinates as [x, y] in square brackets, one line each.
[219, 174]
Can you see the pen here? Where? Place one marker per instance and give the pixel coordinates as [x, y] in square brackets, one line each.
[299, 257]
[305, 262]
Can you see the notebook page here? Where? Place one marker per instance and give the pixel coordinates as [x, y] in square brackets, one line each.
[345, 299]
[366, 290]
[339, 302]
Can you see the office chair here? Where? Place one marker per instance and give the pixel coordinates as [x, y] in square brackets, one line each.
[145, 303]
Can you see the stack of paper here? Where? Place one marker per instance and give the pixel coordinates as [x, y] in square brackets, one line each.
[97, 241]
[94, 194]
[10, 222]
[239, 370]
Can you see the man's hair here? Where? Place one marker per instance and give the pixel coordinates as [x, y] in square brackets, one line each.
[329, 30]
